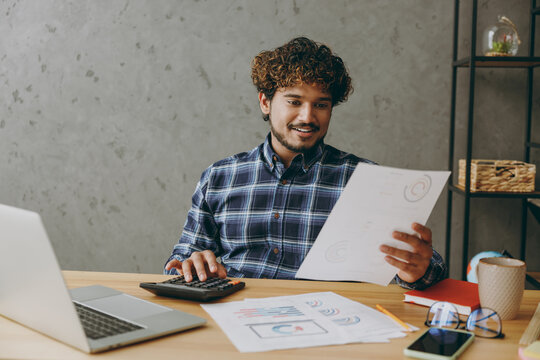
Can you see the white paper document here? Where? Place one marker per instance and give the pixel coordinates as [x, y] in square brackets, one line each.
[376, 201]
[298, 321]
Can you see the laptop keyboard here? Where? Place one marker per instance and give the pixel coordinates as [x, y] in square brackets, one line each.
[98, 325]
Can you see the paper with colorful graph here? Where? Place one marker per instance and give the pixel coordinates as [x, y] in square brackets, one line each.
[306, 320]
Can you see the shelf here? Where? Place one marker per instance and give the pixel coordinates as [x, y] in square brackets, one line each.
[534, 206]
[501, 195]
[499, 61]
[472, 61]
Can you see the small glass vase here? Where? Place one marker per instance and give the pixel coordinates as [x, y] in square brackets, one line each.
[501, 39]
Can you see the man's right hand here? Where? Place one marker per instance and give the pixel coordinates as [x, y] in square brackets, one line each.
[204, 264]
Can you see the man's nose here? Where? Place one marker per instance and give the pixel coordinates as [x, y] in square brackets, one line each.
[306, 113]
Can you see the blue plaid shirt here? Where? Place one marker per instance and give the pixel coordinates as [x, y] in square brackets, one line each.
[262, 218]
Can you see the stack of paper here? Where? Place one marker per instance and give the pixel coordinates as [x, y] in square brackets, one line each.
[532, 351]
[298, 321]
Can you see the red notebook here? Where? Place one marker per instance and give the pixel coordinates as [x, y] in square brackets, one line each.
[463, 294]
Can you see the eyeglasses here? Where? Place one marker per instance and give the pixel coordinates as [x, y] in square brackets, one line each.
[483, 322]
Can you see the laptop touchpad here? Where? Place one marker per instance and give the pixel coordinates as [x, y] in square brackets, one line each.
[126, 306]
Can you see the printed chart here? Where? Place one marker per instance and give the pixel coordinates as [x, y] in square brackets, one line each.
[288, 329]
[274, 312]
[418, 189]
[376, 201]
[305, 320]
[337, 253]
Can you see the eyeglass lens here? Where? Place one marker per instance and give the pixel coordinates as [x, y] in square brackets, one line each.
[443, 315]
[484, 322]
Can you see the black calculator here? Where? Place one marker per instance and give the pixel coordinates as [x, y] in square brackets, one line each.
[211, 289]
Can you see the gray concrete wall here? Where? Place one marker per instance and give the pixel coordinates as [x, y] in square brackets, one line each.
[110, 110]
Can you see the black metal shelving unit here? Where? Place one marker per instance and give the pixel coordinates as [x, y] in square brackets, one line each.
[529, 63]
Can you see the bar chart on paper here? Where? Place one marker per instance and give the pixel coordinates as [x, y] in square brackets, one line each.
[297, 321]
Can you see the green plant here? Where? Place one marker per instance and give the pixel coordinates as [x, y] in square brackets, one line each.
[502, 47]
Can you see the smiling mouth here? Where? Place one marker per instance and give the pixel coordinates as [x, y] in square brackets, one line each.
[305, 130]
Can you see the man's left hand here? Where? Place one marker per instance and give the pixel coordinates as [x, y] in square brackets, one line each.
[413, 264]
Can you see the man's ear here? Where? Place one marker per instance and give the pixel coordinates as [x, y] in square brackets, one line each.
[264, 103]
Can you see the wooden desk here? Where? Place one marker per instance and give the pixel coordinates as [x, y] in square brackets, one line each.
[209, 342]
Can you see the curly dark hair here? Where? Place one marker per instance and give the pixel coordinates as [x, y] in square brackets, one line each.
[301, 60]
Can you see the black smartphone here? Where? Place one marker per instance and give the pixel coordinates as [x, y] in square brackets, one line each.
[439, 344]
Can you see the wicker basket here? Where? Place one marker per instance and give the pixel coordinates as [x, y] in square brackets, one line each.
[499, 175]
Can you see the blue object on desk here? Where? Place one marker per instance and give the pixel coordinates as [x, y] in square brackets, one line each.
[471, 269]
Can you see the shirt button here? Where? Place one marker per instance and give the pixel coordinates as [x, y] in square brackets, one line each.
[276, 215]
[274, 158]
[276, 250]
[283, 182]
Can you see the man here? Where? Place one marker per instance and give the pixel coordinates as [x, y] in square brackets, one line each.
[261, 211]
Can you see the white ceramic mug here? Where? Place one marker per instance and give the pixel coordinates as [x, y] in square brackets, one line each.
[501, 282]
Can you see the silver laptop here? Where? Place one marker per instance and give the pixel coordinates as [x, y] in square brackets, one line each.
[33, 293]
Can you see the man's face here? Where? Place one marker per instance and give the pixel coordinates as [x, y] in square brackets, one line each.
[299, 118]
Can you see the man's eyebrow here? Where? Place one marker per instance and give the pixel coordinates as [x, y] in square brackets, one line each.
[296, 96]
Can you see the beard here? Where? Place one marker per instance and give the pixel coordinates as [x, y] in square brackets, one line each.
[301, 149]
